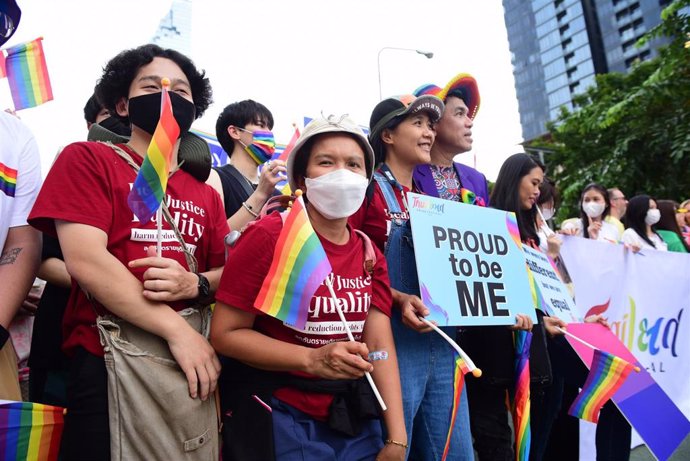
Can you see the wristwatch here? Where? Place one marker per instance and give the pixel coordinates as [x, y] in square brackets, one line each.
[204, 288]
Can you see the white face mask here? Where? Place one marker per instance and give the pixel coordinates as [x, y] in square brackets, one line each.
[547, 213]
[337, 194]
[593, 209]
[652, 217]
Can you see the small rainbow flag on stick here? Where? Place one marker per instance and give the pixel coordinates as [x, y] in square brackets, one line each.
[461, 369]
[606, 375]
[30, 431]
[27, 73]
[521, 402]
[149, 187]
[299, 266]
[8, 180]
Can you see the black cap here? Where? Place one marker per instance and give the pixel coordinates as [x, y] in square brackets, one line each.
[9, 19]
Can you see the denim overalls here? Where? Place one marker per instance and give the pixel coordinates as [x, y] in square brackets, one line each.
[425, 360]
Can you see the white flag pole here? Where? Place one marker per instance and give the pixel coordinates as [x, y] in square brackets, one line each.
[352, 338]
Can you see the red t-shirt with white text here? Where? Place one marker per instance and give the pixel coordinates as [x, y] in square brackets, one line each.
[374, 218]
[247, 265]
[89, 184]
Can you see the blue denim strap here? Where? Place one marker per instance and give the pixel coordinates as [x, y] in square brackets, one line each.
[388, 193]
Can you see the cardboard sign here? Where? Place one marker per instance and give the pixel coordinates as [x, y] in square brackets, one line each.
[555, 297]
[470, 263]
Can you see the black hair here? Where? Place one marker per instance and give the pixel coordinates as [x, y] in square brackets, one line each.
[635, 216]
[299, 168]
[120, 71]
[549, 192]
[91, 109]
[583, 216]
[506, 193]
[377, 143]
[240, 114]
[667, 221]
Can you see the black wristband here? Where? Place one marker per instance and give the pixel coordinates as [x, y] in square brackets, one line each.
[4, 336]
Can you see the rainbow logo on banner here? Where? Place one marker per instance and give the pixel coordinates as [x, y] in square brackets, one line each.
[606, 375]
[8, 180]
[299, 266]
[149, 187]
[27, 73]
[30, 431]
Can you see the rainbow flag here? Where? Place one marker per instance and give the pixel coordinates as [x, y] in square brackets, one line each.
[149, 187]
[299, 266]
[283, 186]
[30, 431]
[521, 401]
[8, 180]
[27, 73]
[461, 369]
[3, 72]
[606, 375]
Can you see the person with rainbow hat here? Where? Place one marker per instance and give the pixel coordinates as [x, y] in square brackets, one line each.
[445, 178]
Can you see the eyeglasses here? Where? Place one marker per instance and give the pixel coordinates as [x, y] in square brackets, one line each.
[618, 198]
[681, 210]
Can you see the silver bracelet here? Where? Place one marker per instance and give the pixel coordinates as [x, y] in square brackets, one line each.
[249, 208]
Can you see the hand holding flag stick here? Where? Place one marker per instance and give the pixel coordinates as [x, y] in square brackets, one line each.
[476, 372]
[545, 227]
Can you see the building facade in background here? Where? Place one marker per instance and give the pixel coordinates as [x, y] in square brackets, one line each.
[558, 46]
[175, 28]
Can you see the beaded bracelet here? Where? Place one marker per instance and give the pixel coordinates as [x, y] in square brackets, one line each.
[249, 208]
[395, 442]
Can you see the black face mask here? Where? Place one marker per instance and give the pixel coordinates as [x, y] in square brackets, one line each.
[113, 125]
[144, 111]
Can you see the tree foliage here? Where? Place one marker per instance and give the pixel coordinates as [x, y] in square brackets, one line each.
[630, 131]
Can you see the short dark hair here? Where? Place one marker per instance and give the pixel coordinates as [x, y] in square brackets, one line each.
[583, 216]
[91, 109]
[506, 193]
[120, 71]
[240, 114]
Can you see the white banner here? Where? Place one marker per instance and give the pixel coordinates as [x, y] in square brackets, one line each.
[645, 297]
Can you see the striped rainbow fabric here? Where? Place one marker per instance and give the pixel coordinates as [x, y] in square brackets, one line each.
[606, 375]
[3, 72]
[30, 431]
[152, 180]
[299, 266]
[521, 401]
[27, 73]
[461, 369]
[8, 180]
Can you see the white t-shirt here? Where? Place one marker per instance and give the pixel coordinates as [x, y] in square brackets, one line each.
[20, 173]
[630, 237]
[608, 232]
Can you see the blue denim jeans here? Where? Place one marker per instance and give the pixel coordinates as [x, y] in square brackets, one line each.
[299, 437]
[427, 365]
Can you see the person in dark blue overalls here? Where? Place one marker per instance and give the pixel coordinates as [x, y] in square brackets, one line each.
[402, 134]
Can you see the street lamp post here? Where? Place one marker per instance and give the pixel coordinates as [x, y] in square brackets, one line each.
[428, 55]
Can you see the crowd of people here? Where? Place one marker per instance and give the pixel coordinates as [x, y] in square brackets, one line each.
[125, 338]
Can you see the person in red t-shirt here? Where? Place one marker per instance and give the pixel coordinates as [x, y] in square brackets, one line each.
[111, 255]
[304, 374]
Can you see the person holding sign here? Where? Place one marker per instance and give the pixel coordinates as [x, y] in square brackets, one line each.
[516, 190]
[402, 136]
[300, 389]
